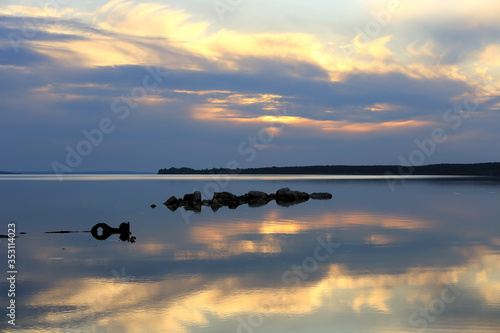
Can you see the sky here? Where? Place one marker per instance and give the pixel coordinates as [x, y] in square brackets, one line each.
[139, 86]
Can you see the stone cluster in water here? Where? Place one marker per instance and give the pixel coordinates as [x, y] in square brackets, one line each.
[284, 197]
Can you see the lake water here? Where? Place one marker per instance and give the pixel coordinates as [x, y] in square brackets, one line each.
[422, 257]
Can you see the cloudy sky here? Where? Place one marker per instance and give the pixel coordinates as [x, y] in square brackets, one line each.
[129, 85]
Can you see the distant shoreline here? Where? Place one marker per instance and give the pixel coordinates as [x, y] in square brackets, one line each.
[448, 169]
[79, 173]
[491, 169]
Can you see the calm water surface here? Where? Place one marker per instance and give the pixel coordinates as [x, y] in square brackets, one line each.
[424, 258]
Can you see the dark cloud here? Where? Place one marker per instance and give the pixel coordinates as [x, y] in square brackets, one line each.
[24, 57]
[459, 41]
[31, 28]
[47, 105]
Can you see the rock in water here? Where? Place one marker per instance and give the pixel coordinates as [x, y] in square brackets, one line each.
[188, 197]
[320, 196]
[259, 194]
[227, 199]
[172, 203]
[284, 197]
[282, 191]
[256, 198]
[215, 205]
[197, 196]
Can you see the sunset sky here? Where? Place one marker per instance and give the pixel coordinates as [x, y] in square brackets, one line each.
[138, 86]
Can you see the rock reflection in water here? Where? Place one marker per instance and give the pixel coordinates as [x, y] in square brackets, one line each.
[284, 197]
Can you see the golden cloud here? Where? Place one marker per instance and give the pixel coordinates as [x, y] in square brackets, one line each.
[224, 241]
[377, 107]
[425, 50]
[146, 33]
[181, 302]
[209, 112]
[46, 12]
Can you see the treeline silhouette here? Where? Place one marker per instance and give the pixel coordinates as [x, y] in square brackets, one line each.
[476, 169]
